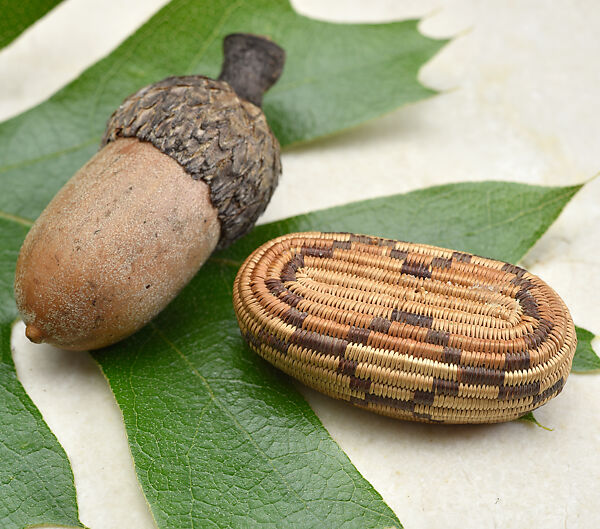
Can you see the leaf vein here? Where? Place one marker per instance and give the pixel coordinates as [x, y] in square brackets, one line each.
[235, 421]
[48, 156]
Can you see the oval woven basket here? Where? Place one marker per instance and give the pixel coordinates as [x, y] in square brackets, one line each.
[405, 330]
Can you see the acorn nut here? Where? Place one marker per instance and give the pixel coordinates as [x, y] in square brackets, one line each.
[186, 166]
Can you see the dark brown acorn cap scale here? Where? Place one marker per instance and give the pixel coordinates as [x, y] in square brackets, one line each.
[215, 129]
[215, 136]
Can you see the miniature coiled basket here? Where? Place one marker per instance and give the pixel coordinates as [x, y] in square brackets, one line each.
[405, 330]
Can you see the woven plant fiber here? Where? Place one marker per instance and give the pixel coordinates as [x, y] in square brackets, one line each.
[406, 330]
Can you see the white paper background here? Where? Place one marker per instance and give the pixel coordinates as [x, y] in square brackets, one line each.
[520, 103]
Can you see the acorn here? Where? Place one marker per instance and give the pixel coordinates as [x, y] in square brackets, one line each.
[186, 166]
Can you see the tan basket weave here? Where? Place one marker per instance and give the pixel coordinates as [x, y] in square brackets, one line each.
[406, 330]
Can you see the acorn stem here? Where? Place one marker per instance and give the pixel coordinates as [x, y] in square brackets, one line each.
[34, 334]
[251, 65]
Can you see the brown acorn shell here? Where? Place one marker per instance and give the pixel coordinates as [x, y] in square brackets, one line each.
[113, 247]
[216, 136]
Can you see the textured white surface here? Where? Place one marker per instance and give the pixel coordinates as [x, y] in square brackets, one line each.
[521, 105]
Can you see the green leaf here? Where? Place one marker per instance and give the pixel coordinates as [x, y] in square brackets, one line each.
[336, 76]
[36, 481]
[529, 417]
[219, 438]
[222, 439]
[500, 220]
[17, 16]
[585, 359]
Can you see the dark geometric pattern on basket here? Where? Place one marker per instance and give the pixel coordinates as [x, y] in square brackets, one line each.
[406, 330]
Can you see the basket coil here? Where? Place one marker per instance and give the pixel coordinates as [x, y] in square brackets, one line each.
[405, 330]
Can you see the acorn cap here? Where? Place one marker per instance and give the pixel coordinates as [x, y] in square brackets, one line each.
[215, 129]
